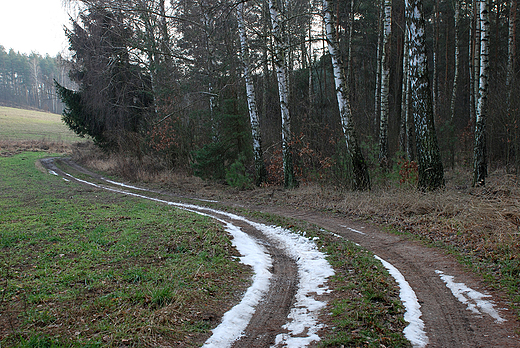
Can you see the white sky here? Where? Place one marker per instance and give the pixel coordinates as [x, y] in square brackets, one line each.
[33, 26]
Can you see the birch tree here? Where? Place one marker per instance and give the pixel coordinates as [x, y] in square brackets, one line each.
[361, 179]
[431, 173]
[377, 96]
[283, 92]
[480, 148]
[385, 85]
[260, 171]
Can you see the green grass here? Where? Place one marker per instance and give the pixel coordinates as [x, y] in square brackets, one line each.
[21, 124]
[82, 267]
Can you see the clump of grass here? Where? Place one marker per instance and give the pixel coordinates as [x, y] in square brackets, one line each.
[82, 267]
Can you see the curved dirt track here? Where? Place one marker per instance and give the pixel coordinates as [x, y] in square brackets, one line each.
[448, 322]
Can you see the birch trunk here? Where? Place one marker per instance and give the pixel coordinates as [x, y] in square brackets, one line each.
[283, 92]
[476, 55]
[385, 85]
[361, 179]
[431, 173]
[377, 97]
[260, 171]
[480, 149]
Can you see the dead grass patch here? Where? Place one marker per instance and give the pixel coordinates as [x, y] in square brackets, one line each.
[12, 147]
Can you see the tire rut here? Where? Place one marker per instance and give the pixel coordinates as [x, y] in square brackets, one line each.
[271, 314]
[448, 322]
[273, 310]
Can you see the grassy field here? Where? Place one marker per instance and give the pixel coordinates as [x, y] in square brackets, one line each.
[21, 124]
[80, 267]
[85, 268]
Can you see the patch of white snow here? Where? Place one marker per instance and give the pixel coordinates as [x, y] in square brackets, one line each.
[313, 271]
[237, 318]
[472, 298]
[414, 332]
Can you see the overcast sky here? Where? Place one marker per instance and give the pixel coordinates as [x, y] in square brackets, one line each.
[33, 26]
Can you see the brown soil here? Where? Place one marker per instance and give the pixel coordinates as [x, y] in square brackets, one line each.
[448, 323]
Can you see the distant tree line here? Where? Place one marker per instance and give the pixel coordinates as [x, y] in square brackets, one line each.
[28, 80]
[284, 91]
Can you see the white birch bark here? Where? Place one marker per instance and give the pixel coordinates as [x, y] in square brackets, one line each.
[377, 97]
[480, 149]
[361, 179]
[476, 54]
[260, 171]
[385, 84]
[283, 92]
[431, 173]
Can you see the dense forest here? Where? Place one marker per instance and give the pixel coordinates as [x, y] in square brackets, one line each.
[286, 91]
[27, 81]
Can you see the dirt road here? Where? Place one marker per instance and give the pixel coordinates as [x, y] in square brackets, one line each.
[456, 307]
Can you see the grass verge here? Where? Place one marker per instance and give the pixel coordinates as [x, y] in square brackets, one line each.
[81, 267]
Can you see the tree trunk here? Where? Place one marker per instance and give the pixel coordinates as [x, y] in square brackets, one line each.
[377, 101]
[431, 173]
[457, 60]
[361, 179]
[385, 86]
[476, 55]
[511, 51]
[454, 87]
[480, 149]
[260, 171]
[281, 74]
[435, 84]
[404, 137]
[349, 59]
[471, 60]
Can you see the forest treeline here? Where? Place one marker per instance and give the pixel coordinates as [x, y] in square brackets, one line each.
[27, 81]
[284, 91]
